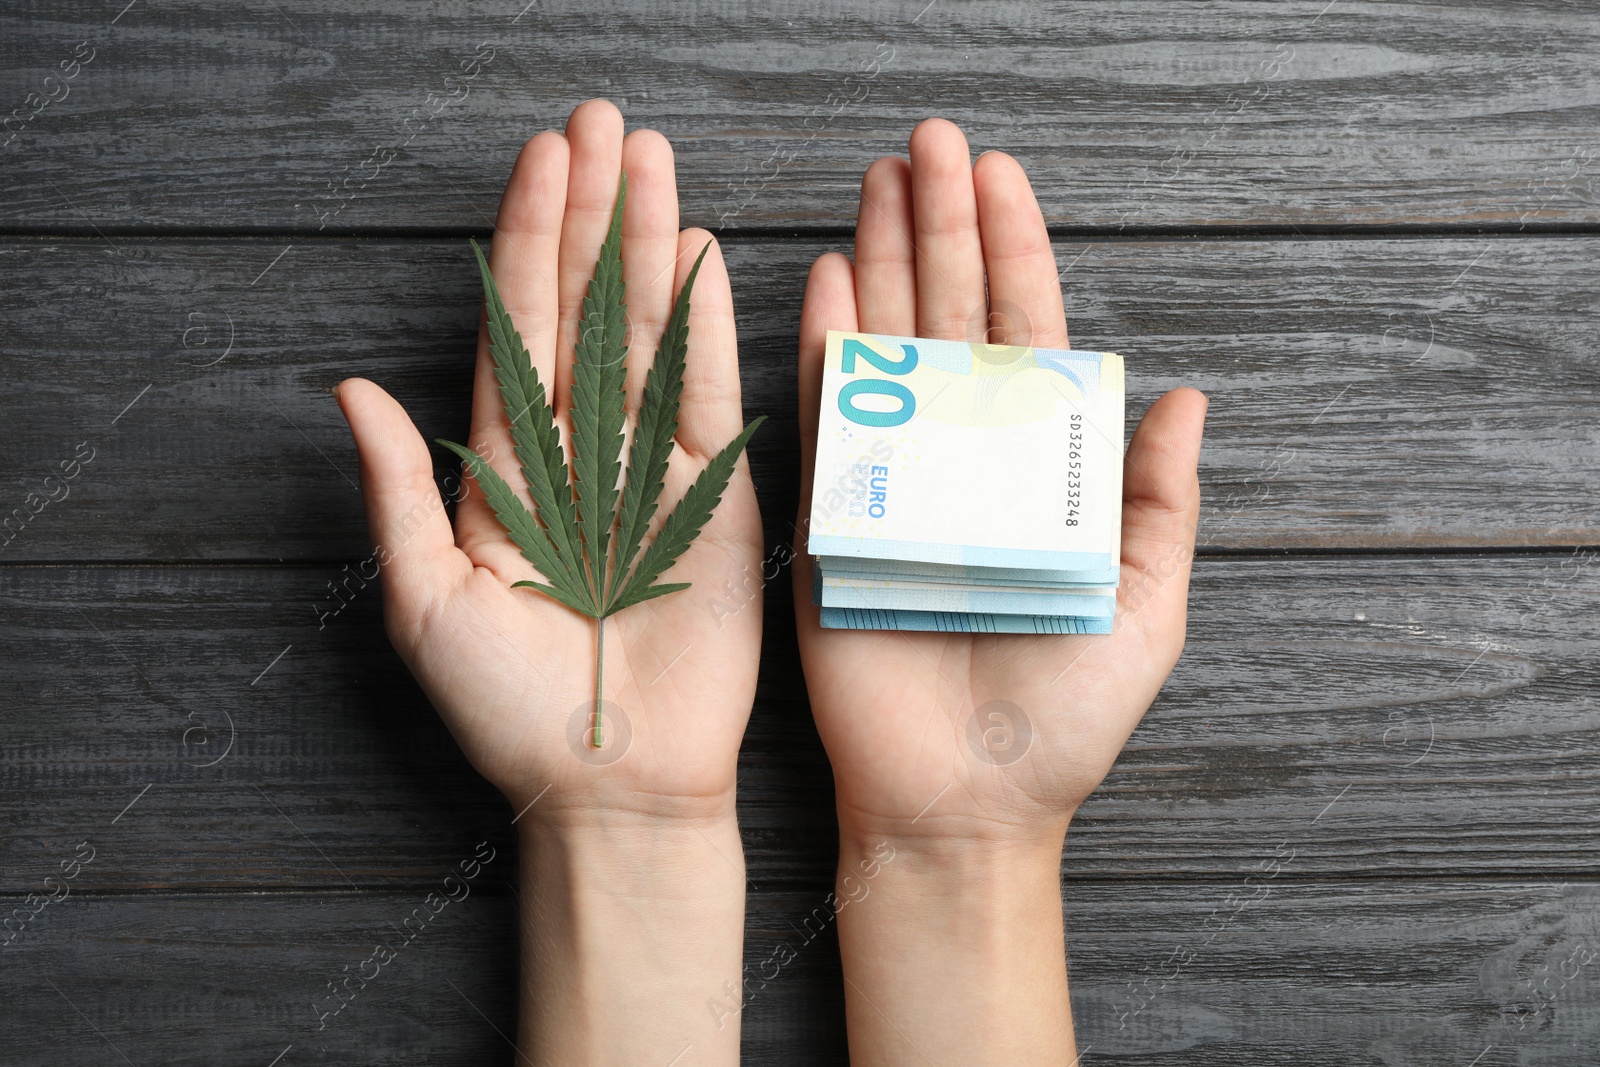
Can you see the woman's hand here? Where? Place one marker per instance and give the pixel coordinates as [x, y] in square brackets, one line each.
[633, 875]
[894, 708]
[959, 759]
[511, 670]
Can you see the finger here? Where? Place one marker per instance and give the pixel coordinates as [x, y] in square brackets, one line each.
[524, 259]
[1024, 287]
[710, 413]
[524, 256]
[950, 295]
[406, 520]
[1160, 510]
[886, 258]
[830, 304]
[649, 249]
[594, 132]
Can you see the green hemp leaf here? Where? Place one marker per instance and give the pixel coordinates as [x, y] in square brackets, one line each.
[568, 536]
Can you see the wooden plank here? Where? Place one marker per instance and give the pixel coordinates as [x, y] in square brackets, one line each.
[233, 980]
[1373, 971]
[1408, 973]
[1145, 114]
[1402, 716]
[1365, 394]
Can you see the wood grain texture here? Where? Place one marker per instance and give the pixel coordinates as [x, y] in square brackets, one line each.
[1400, 973]
[1365, 394]
[1361, 824]
[368, 115]
[1378, 716]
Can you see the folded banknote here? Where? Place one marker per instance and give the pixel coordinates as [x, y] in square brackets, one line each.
[861, 567]
[1087, 601]
[968, 454]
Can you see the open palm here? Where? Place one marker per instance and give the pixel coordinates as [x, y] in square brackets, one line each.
[987, 734]
[511, 671]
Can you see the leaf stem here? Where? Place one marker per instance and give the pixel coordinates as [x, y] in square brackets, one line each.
[599, 737]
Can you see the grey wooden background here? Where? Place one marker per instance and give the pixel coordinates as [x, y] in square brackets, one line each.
[1370, 231]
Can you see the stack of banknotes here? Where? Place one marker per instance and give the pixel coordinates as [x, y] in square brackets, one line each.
[967, 487]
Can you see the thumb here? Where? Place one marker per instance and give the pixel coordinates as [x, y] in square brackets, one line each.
[1160, 510]
[412, 539]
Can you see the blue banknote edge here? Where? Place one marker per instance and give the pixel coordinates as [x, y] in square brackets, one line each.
[860, 567]
[1033, 559]
[959, 622]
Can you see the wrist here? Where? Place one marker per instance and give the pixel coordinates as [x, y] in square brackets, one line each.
[602, 806]
[630, 928]
[639, 856]
[958, 941]
[949, 833]
[998, 878]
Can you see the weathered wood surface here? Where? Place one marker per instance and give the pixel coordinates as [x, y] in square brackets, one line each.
[1359, 825]
[1144, 114]
[1399, 394]
[1372, 971]
[1398, 716]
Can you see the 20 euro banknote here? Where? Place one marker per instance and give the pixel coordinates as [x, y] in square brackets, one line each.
[961, 454]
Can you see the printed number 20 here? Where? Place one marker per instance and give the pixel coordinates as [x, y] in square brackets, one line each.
[876, 386]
